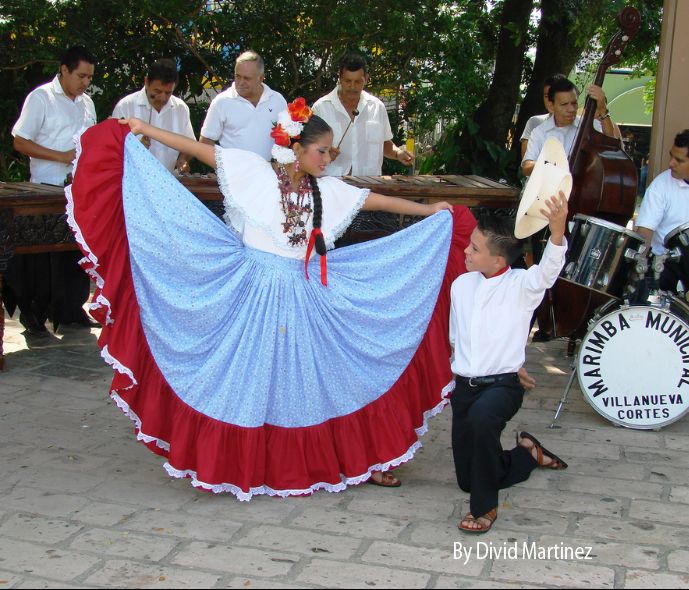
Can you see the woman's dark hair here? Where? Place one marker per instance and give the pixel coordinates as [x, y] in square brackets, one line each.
[312, 131]
[499, 232]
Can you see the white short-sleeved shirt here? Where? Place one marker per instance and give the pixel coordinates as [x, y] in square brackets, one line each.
[531, 124]
[174, 116]
[547, 129]
[234, 122]
[253, 203]
[52, 120]
[665, 207]
[361, 150]
[490, 318]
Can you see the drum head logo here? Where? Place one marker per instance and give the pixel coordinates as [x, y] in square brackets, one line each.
[633, 366]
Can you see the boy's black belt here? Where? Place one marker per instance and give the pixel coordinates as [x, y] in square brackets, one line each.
[488, 379]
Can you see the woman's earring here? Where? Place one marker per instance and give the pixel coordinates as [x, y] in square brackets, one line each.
[296, 166]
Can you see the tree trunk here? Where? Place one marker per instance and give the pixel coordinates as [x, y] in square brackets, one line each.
[480, 145]
[494, 115]
[558, 49]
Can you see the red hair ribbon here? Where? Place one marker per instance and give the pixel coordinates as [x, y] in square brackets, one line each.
[324, 267]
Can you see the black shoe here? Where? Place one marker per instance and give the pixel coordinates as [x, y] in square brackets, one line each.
[31, 325]
[541, 336]
[87, 323]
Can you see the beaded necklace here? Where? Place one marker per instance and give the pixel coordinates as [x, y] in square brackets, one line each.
[296, 206]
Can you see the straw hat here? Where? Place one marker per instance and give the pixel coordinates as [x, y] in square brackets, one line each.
[549, 176]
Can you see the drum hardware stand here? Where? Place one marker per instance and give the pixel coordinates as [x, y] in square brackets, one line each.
[637, 289]
[599, 313]
[565, 393]
[659, 262]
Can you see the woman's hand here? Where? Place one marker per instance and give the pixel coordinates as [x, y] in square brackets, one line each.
[439, 206]
[137, 126]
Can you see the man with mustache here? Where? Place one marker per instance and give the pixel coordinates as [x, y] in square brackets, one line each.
[362, 133]
[156, 104]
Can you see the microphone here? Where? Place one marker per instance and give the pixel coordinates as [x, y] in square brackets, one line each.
[355, 113]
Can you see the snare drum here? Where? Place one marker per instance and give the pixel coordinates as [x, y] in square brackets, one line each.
[633, 364]
[601, 255]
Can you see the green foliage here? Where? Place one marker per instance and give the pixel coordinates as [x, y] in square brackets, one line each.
[649, 95]
[489, 159]
[641, 54]
[428, 56]
[433, 58]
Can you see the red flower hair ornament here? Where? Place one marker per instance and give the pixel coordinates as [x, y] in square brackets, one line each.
[288, 127]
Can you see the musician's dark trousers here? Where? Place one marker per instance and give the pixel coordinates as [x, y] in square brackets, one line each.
[479, 415]
[70, 288]
[46, 286]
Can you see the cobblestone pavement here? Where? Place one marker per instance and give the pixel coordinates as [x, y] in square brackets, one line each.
[85, 506]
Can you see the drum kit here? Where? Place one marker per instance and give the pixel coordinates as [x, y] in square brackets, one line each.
[633, 362]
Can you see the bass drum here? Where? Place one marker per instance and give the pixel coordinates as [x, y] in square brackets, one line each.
[633, 364]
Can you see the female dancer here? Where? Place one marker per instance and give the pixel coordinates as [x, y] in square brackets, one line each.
[243, 358]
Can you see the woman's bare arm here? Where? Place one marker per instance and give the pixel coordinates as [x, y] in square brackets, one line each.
[377, 202]
[201, 151]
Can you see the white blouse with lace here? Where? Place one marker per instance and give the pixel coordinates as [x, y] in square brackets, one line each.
[252, 203]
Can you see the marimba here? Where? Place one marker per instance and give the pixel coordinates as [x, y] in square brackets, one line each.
[469, 190]
[32, 216]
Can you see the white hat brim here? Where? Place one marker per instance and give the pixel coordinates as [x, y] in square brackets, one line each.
[550, 175]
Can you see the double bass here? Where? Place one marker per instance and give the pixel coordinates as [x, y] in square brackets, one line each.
[604, 185]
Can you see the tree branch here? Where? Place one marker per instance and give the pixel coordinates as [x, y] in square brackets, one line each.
[29, 63]
[190, 46]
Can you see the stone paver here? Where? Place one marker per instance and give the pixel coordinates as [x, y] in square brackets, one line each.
[83, 505]
[132, 574]
[353, 575]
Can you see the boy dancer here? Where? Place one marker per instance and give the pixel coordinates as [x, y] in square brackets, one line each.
[490, 316]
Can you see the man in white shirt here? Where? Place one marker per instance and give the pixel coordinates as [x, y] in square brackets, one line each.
[156, 104]
[360, 124]
[53, 285]
[564, 123]
[665, 207]
[242, 116]
[536, 120]
[52, 115]
[490, 312]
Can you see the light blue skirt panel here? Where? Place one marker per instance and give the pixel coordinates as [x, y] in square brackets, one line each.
[241, 336]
